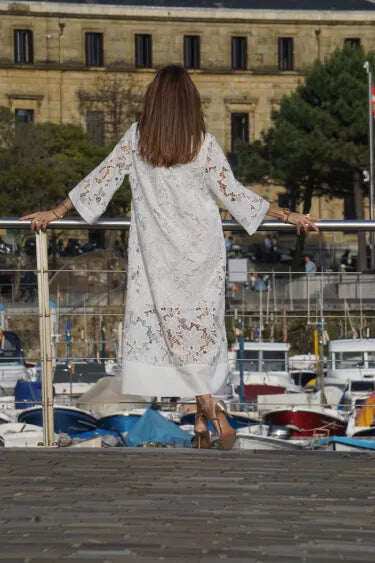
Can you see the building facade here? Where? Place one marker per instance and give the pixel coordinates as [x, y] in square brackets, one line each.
[57, 57]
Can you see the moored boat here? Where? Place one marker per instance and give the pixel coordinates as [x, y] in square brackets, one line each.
[265, 437]
[347, 444]
[69, 420]
[309, 422]
[12, 364]
[350, 359]
[265, 369]
[21, 435]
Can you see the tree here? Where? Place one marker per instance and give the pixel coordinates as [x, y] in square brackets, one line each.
[318, 143]
[40, 163]
[119, 100]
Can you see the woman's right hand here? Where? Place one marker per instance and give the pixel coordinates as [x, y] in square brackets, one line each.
[39, 220]
[303, 222]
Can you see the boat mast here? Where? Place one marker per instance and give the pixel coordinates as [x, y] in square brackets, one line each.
[323, 398]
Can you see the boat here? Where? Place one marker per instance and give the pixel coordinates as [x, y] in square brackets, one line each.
[266, 437]
[265, 369]
[357, 392]
[69, 420]
[120, 422]
[72, 380]
[236, 420]
[361, 422]
[346, 444]
[309, 422]
[350, 359]
[20, 435]
[12, 363]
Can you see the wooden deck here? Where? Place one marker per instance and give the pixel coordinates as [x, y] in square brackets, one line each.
[179, 505]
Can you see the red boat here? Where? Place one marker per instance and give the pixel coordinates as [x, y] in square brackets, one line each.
[265, 369]
[252, 390]
[309, 422]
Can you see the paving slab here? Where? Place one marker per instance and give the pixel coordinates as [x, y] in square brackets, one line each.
[176, 505]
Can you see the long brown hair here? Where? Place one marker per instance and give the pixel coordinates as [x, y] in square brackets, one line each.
[172, 127]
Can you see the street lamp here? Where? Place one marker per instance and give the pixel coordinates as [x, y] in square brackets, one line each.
[366, 66]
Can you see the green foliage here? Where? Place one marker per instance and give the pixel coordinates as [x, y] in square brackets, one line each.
[319, 135]
[41, 163]
[252, 164]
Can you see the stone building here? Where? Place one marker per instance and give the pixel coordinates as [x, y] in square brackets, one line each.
[244, 55]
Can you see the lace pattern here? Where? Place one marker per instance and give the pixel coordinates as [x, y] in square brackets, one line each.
[176, 272]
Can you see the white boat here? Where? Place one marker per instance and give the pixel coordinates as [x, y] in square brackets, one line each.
[361, 422]
[265, 437]
[12, 365]
[302, 362]
[350, 360]
[265, 369]
[20, 435]
[72, 380]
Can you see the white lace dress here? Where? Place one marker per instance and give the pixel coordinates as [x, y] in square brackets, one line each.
[175, 340]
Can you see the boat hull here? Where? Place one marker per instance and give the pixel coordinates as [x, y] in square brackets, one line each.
[251, 391]
[248, 442]
[346, 444]
[307, 423]
[68, 420]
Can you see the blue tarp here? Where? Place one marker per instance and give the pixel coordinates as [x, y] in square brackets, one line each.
[152, 427]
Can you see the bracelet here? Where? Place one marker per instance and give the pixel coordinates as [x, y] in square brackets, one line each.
[286, 213]
[57, 216]
[64, 205]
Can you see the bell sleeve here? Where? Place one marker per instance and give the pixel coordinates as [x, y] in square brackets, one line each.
[247, 207]
[92, 195]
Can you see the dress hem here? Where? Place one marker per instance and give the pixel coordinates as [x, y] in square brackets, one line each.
[168, 381]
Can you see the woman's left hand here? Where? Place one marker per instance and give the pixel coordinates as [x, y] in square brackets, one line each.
[303, 222]
[39, 220]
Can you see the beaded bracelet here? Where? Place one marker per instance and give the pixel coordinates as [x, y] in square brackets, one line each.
[57, 216]
[286, 213]
[64, 205]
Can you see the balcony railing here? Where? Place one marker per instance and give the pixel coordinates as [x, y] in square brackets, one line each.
[291, 289]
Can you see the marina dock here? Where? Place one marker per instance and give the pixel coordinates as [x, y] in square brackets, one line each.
[155, 504]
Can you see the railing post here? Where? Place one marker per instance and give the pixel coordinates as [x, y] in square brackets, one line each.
[45, 338]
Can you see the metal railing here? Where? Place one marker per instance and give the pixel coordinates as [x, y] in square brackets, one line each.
[42, 271]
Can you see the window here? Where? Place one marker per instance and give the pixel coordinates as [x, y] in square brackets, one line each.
[250, 360]
[94, 49]
[354, 42]
[143, 51]
[274, 360]
[239, 53]
[95, 126]
[23, 46]
[192, 51]
[286, 53]
[371, 363]
[239, 128]
[24, 115]
[345, 360]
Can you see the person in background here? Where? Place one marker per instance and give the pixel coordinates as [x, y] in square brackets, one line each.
[268, 243]
[310, 266]
[228, 243]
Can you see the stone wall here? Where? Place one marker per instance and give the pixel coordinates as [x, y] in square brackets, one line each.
[50, 85]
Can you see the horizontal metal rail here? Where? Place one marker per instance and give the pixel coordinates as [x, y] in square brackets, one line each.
[124, 224]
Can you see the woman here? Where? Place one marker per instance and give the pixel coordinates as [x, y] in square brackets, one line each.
[175, 340]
